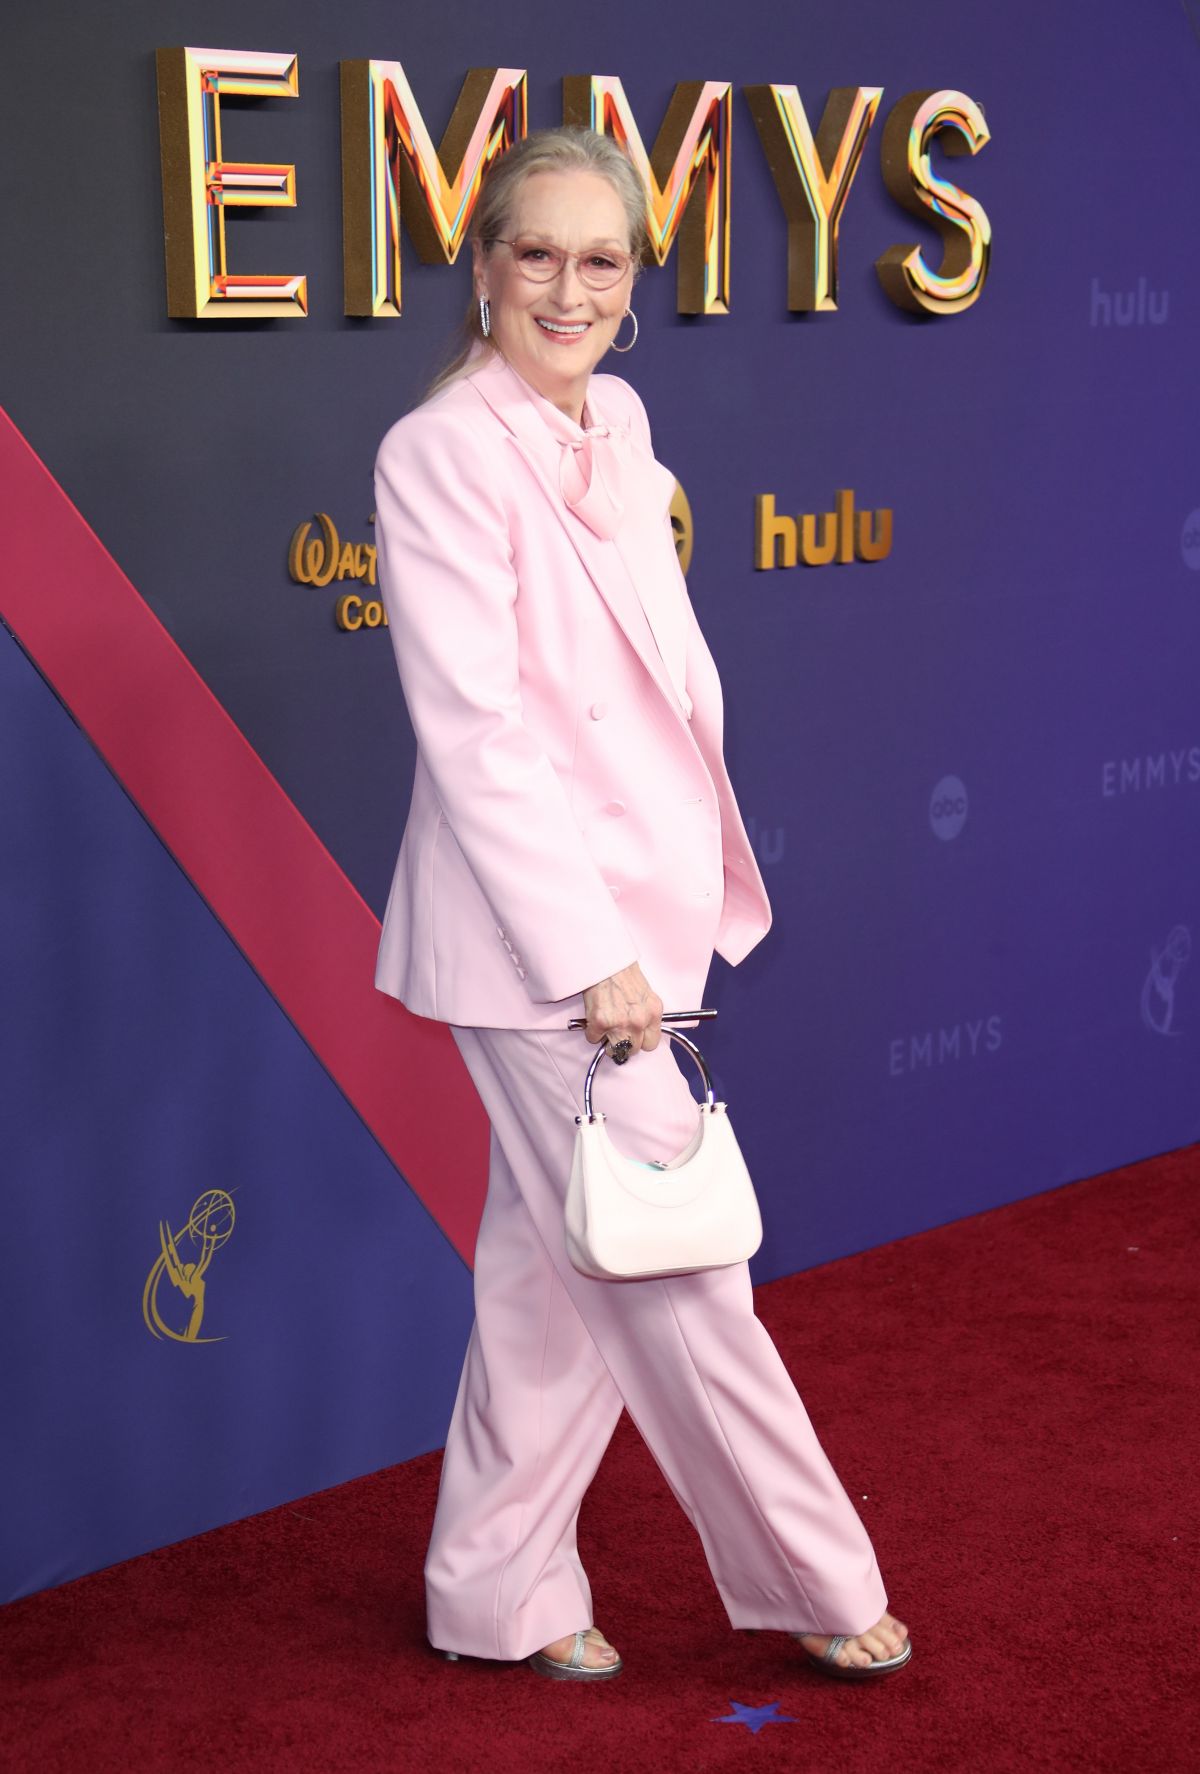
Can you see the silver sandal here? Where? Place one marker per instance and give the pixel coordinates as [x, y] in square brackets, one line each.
[826, 1660]
[573, 1669]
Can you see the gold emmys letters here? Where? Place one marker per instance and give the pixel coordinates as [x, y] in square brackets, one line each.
[390, 168]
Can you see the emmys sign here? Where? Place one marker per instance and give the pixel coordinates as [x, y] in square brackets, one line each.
[391, 171]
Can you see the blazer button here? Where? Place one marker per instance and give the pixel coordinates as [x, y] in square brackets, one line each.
[616, 892]
[616, 808]
[598, 710]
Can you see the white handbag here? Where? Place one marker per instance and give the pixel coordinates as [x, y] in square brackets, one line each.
[627, 1220]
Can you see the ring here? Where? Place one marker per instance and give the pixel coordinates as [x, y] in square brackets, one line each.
[619, 1051]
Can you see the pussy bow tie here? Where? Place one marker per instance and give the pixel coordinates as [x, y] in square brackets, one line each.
[590, 472]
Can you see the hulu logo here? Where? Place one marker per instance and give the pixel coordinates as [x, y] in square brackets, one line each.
[816, 539]
[1137, 307]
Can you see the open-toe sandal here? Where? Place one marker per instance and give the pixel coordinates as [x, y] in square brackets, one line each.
[574, 1669]
[826, 1661]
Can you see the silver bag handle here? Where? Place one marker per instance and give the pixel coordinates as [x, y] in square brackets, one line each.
[674, 1035]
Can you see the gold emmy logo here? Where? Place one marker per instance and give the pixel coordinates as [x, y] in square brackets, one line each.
[208, 1227]
[682, 527]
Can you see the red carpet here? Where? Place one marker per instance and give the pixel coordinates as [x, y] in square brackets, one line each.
[1015, 1398]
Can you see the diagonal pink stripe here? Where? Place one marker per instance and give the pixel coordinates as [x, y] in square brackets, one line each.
[301, 924]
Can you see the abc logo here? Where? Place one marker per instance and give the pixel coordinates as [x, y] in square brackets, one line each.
[1189, 542]
[948, 808]
[683, 529]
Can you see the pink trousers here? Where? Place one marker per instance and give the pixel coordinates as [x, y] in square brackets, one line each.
[554, 1355]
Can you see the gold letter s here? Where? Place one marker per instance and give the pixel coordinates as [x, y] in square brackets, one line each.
[961, 221]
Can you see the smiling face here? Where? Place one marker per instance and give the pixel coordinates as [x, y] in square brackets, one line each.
[554, 334]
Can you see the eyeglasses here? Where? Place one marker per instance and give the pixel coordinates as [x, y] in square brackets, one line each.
[599, 267]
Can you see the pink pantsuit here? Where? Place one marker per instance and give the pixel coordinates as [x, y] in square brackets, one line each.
[571, 814]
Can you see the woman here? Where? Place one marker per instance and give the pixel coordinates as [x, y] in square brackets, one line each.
[573, 848]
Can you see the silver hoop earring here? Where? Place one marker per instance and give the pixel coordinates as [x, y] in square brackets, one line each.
[633, 341]
[485, 317]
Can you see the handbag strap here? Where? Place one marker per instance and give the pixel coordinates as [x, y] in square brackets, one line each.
[674, 1035]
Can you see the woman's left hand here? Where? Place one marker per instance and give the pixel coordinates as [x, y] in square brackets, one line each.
[623, 1008]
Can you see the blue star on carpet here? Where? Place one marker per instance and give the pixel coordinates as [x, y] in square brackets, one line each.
[755, 1717]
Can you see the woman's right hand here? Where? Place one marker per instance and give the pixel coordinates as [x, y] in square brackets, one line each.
[623, 1007]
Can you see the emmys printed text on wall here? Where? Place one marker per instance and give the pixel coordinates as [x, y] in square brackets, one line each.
[1147, 772]
[925, 1050]
[392, 171]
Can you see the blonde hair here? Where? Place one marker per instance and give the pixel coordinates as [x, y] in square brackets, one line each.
[569, 149]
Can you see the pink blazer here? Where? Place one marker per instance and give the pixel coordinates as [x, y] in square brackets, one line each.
[571, 811]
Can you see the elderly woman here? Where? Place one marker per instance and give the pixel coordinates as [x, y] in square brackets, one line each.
[574, 849]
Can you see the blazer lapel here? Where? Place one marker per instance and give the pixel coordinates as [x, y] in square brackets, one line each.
[502, 390]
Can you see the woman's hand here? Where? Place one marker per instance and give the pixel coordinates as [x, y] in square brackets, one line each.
[623, 1007]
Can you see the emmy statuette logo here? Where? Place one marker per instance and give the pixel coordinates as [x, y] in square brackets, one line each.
[1189, 542]
[1158, 991]
[184, 1260]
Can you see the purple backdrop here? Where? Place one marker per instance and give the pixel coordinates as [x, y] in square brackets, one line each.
[972, 769]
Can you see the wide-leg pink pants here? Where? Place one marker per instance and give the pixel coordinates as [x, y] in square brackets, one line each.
[553, 1356]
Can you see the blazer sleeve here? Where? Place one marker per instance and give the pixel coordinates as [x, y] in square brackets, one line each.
[450, 589]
